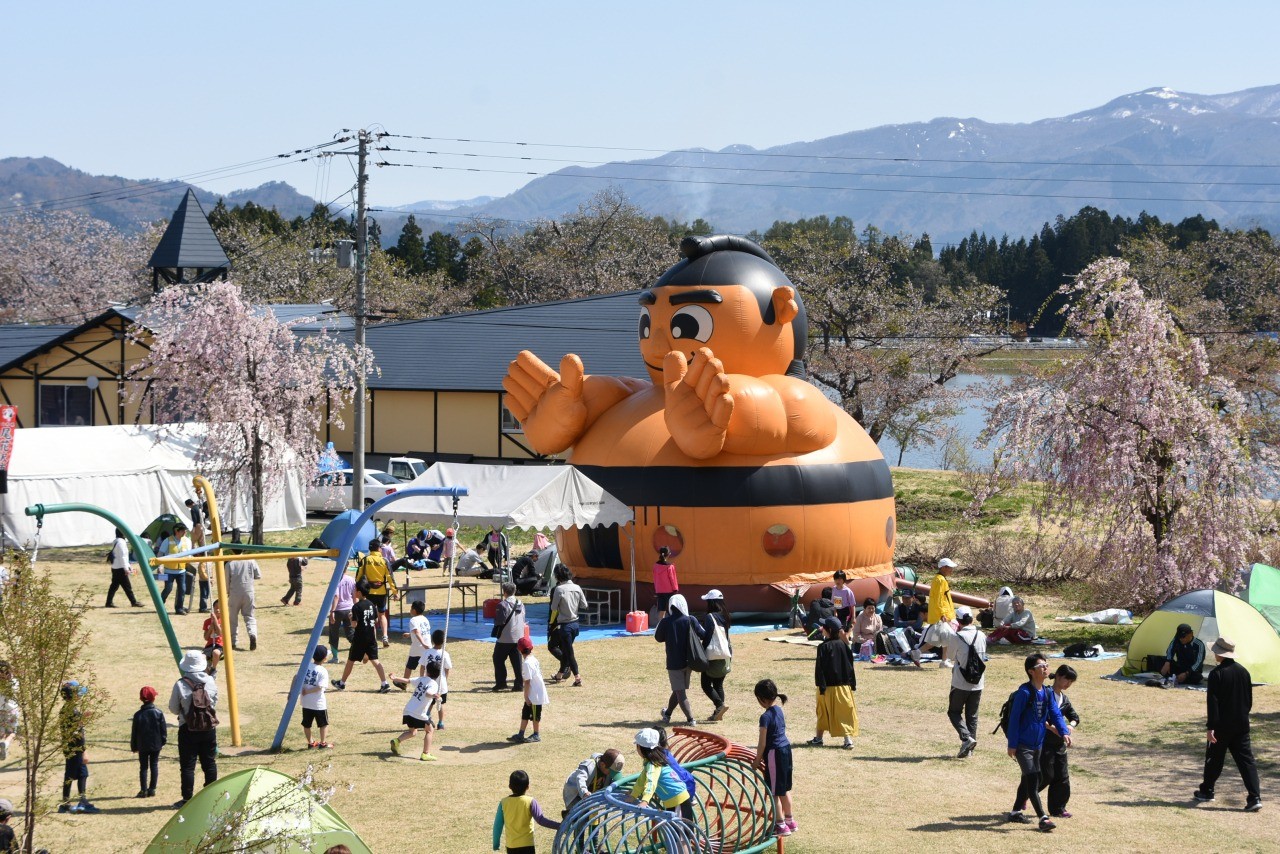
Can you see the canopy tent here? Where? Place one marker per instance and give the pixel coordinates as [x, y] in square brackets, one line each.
[513, 497]
[1262, 591]
[259, 804]
[137, 471]
[1212, 614]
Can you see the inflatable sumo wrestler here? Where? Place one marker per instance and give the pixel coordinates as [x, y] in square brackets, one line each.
[746, 472]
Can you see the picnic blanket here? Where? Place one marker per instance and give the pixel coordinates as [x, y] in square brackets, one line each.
[1103, 657]
[800, 639]
[1144, 678]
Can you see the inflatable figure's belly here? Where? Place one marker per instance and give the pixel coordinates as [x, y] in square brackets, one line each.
[735, 520]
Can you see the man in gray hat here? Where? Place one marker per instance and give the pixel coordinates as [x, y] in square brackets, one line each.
[193, 700]
[1230, 699]
[240, 577]
[7, 841]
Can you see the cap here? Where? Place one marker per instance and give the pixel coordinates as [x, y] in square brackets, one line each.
[831, 624]
[1224, 648]
[947, 563]
[448, 532]
[613, 760]
[193, 662]
[525, 645]
[6, 807]
[647, 738]
[712, 594]
[1184, 629]
[147, 694]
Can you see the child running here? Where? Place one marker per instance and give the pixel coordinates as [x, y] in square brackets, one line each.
[773, 753]
[516, 814]
[364, 638]
[440, 656]
[417, 712]
[1054, 773]
[418, 634]
[315, 706]
[657, 779]
[535, 693]
[148, 738]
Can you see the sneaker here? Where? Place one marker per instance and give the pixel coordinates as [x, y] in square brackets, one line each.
[792, 826]
[718, 714]
[848, 744]
[1062, 814]
[385, 689]
[386, 641]
[253, 645]
[151, 793]
[691, 723]
[518, 738]
[1202, 796]
[915, 657]
[85, 807]
[427, 757]
[666, 717]
[1018, 817]
[816, 741]
[497, 688]
[395, 746]
[311, 745]
[1253, 806]
[338, 684]
[440, 725]
[782, 829]
[179, 803]
[142, 793]
[332, 659]
[108, 605]
[966, 748]
[534, 738]
[946, 664]
[136, 604]
[324, 745]
[1046, 824]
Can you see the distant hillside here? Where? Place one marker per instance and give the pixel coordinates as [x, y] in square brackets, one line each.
[125, 203]
[950, 176]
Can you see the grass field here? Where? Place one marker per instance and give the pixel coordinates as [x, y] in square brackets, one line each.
[1136, 763]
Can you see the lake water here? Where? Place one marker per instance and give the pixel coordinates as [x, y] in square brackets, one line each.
[967, 424]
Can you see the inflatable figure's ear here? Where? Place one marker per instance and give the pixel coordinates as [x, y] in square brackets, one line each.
[785, 307]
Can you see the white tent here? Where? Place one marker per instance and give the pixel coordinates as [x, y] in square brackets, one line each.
[512, 497]
[135, 471]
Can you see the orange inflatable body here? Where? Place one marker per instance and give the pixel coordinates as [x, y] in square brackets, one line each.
[753, 480]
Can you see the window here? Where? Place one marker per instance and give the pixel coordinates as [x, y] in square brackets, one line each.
[65, 406]
[509, 422]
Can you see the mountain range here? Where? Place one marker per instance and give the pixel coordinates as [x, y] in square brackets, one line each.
[1172, 154]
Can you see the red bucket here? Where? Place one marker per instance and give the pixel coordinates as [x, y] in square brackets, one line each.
[637, 621]
[491, 608]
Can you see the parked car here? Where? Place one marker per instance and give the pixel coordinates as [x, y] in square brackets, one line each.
[331, 492]
[406, 468]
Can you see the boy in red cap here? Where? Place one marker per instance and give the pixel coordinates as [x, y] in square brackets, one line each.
[535, 693]
[149, 737]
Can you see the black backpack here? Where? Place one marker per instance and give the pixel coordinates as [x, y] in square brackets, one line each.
[1080, 650]
[1005, 712]
[974, 666]
[200, 717]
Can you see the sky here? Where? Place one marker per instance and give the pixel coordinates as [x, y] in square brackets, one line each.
[169, 90]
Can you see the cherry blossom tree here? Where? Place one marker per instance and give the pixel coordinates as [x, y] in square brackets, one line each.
[64, 267]
[1144, 452]
[261, 388]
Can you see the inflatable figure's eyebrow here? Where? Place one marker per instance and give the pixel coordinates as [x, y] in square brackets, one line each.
[697, 296]
[647, 298]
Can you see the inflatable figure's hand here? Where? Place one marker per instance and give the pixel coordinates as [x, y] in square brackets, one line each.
[548, 405]
[698, 403]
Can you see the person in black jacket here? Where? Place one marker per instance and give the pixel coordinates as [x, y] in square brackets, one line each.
[673, 630]
[150, 734]
[1054, 772]
[819, 609]
[834, 676]
[1230, 699]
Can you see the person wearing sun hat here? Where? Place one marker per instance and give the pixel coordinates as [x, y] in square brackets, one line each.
[717, 668]
[1230, 698]
[194, 744]
[942, 615]
[8, 842]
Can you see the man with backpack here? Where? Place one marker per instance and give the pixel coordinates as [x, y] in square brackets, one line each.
[967, 680]
[1023, 718]
[193, 700]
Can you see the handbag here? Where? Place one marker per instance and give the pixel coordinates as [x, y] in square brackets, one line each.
[718, 646]
[697, 652]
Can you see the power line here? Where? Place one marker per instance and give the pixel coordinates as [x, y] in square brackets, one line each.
[779, 186]
[880, 159]
[898, 175]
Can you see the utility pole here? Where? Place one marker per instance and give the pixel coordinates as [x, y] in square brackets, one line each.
[362, 269]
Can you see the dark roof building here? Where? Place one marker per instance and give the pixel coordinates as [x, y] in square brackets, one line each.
[188, 251]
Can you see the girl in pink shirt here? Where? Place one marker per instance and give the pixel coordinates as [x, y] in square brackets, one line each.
[665, 582]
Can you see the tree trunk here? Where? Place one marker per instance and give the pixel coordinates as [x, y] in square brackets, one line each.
[255, 475]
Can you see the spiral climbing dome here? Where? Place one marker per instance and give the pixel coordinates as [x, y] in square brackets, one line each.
[732, 808]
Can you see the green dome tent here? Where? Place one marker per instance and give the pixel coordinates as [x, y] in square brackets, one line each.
[1211, 614]
[261, 804]
[1262, 591]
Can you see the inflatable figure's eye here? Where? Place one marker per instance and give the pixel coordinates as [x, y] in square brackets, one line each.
[692, 321]
[645, 324]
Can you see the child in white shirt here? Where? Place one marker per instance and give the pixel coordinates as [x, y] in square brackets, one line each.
[535, 693]
[315, 706]
[417, 712]
[419, 634]
[440, 656]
